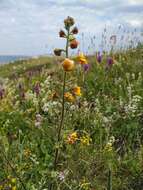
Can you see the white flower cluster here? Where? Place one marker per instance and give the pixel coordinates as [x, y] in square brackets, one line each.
[30, 96]
[133, 106]
[51, 107]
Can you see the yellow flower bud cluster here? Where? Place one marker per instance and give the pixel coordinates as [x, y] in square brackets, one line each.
[85, 140]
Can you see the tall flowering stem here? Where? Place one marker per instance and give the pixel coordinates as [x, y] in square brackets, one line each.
[68, 66]
[63, 107]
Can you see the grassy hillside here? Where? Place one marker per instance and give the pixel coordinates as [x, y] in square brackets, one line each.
[103, 126]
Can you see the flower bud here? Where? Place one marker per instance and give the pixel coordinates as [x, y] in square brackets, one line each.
[74, 44]
[69, 21]
[57, 52]
[68, 64]
[75, 30]
[62, 34]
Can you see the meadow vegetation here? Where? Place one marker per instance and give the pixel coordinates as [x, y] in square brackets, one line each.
[73, 123]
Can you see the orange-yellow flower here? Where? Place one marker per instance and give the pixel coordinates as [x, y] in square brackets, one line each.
[82, 59]
[77, 91]
[68, 64]
[72, 138]
[69, 97]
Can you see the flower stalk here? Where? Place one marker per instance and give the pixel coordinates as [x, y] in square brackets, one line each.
[63, 106]
[68, 65]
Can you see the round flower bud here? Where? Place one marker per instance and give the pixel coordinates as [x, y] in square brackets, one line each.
[68, 64]
[57, 52]
[62, 34]
[74, 44]
[75, 30]
[69, 21]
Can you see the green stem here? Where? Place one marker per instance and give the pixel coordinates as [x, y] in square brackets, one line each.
[61, 122]
[63, 108]
[62, 113]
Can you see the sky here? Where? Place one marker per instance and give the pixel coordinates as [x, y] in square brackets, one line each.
[30, 27]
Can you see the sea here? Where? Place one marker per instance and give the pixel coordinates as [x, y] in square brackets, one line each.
[4, 59]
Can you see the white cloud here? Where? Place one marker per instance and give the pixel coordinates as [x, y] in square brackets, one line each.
[28, 26]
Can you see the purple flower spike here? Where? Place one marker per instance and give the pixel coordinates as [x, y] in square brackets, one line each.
[86, 67]
[37, 89]
[99, 57]
[110, 61]
[1, 93]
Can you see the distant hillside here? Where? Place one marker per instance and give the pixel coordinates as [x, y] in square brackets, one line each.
[18, 67]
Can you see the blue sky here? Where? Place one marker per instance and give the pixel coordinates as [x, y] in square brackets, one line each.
[30, 27]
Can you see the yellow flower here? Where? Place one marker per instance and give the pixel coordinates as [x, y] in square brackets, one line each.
[69, 97]
[82, 59]
[72, 138]
[77, 91]
[68, 64]
[85, 140]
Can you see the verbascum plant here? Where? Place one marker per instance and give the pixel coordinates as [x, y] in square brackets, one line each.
[68, 65]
